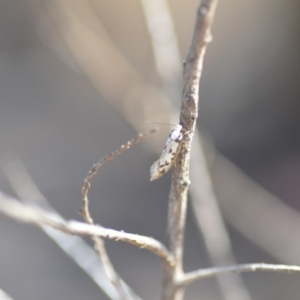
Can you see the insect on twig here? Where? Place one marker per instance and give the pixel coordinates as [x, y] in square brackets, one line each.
[167, 158]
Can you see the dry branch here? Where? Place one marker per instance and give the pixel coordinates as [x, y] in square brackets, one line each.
[210, 222]
[188, 115]
[33, 215]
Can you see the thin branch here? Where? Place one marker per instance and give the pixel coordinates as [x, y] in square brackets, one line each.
[188, 115]
[33, 215]
[99, 243]
[258, 267]
[75, 247]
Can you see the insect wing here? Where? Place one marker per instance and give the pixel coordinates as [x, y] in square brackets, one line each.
[164, 163]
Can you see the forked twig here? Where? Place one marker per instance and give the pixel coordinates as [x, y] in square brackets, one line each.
[74, 246]
[166, 53]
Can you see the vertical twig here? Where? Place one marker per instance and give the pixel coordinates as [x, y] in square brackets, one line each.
[188, 115]
[205, 206]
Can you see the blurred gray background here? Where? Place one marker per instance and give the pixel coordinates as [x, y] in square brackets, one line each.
[58, 123]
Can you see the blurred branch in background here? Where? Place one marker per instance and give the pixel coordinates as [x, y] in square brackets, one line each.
[4, 296]
[104, 64]
[257, 214]
[164, 44]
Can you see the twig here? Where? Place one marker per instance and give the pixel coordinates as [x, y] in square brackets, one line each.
[33, 215]
[188, 116]
[74, 246]
[211, 272]
[99, 243]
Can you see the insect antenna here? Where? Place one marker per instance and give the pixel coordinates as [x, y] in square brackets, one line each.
[158, 123]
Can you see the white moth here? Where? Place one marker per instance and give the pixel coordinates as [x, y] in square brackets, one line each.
[164, 163]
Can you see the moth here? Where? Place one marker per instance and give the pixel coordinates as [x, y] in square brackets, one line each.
[164, 163]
